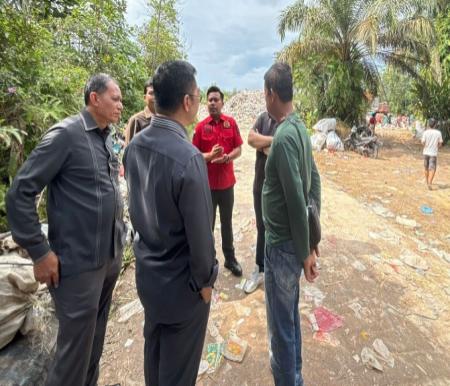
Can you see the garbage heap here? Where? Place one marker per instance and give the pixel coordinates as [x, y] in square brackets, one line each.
[327, 135]
[27, 322]
[244, 107]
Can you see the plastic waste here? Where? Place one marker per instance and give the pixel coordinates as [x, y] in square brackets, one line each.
[326, 320]
[383, 352]
[235, 348]
[368, 357]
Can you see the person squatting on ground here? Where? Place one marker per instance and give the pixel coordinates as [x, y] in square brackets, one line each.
[172, 213]
[290, 168]
[143, 118]
[218, 138]
[81, 259]
[432, 141]
[260, 138]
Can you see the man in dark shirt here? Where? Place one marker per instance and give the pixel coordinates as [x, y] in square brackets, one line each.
[81, 260]
[141, 119]
[171, 211]
[218, 138]
[291, 177]
[260, 137]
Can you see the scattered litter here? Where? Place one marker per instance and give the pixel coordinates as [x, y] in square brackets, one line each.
[227, 273]
[241, 285]
[357, 309]
[130, 309]
[359, 266]
[204, 366]
[356, 358]
[325, 337]
[395, 264]
[364, 335]
[426, 209]
[253, 335]
[383, 352]
[213, 330]
[312, 320]
[128, 343]
[376, 258]
[235, 348]
[386, 235]
[414, 260]
[326, 320]
[442, 254]
[406, 222]
[214, 356]
[242, 310]
[223, 296]
[380, 210]
[368, 357]
[313, 294]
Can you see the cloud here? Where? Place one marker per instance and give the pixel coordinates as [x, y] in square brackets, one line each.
[231, 43]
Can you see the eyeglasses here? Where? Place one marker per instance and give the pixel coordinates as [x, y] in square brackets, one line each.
[199, 96]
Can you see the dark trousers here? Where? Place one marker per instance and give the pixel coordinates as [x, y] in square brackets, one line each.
[224, 199]
[260, 239]
[82, 304]
[172, 352]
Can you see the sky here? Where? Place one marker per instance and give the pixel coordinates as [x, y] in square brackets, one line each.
[230, 43]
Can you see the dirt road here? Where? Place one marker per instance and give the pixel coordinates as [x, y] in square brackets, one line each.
[365, 278]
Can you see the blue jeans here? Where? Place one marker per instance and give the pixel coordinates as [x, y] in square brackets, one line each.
[282, 275]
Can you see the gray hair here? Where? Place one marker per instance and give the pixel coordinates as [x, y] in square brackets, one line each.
[97, 83]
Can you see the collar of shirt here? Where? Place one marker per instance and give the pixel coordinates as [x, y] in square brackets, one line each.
[211, 119]
[169, 124]
[89, 122]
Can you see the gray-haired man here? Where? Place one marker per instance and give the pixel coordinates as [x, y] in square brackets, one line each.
[81, 259]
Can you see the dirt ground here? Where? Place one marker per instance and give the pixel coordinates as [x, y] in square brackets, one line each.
[364, 277]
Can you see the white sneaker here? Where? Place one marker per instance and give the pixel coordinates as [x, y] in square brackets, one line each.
[254, 281]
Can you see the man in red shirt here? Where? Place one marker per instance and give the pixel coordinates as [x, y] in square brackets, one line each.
[219, 140]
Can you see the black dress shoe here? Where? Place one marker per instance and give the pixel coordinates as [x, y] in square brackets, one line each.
[234, 267]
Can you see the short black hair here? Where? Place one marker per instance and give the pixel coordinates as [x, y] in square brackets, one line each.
[432, 123]
[278, 78]
[215, 89]
[148, 84]
[171, 82]
[97, 83]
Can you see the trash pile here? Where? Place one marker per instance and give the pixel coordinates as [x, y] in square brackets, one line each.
[27, 321]
[244, 107]
[25, 305]
[326, 136]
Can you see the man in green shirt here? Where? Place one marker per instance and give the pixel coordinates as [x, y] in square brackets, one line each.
[289, 167]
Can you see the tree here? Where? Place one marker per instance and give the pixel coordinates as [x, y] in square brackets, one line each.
[160, 37]
[398, 89]
[348, 39]
[49, 49]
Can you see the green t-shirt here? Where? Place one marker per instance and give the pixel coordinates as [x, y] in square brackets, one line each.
[283, 200]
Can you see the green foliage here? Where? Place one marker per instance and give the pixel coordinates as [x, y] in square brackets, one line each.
[128, 257]
[340, 44]
[48, 51]
[398, 90]
[160, 37]
[329, 88]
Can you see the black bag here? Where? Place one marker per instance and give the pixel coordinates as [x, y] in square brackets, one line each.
[315, 230]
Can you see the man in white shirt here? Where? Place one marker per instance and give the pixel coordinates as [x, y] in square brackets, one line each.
[432, 140]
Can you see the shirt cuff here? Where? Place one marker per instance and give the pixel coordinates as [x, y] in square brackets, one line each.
[210, 283]
[39, 251]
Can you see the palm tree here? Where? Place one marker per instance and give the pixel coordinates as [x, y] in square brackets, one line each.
[358, 36]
